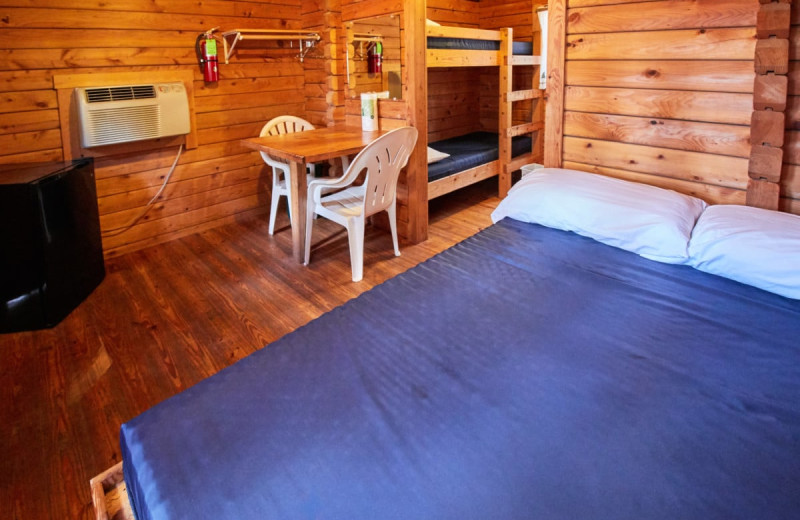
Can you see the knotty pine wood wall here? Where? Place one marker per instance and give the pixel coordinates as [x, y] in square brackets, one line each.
[661, 92]
[217, 182]
[454, 104]
[324, 81]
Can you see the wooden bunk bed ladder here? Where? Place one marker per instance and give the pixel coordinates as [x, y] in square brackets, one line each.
[508, 96]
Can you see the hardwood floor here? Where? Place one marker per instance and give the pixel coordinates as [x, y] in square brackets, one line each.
[163, 319]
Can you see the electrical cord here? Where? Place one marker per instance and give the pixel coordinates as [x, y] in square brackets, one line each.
[118, 231]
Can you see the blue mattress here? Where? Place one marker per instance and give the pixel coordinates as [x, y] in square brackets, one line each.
[526, 373]
[471, 150]
[469, 44]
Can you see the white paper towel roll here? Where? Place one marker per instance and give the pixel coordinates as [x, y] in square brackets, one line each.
[369, 111]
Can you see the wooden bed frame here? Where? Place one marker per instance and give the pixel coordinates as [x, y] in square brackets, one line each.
[505, 60]
[110, 496]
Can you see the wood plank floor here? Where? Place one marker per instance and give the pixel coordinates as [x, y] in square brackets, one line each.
[165, 318]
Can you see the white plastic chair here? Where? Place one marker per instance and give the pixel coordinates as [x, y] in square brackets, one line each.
[280, 170]
[383, 159]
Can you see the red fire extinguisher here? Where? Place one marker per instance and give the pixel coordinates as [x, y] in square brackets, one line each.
[206, 48]
[374, 58]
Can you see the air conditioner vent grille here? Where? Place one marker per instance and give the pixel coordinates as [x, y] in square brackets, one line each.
[125, 113]
[134, 123]
[100, 95]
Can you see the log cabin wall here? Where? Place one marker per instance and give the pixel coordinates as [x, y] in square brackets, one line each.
[454, 94]
[790, 179]
[215, 183]
[658, 92]
[323, 68]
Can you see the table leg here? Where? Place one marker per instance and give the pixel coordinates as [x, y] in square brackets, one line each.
[299, 190]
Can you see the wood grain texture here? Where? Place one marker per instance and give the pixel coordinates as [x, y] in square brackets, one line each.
[763, 193]
[770, 91]
[707, 192]
[556, 83]
[666, 133]
[145, 39]
[613, 16]
[663, 91]
[724, 43]
[166, 317]
[696, 75]
[671, 104]
[720, 170]
[414, 199]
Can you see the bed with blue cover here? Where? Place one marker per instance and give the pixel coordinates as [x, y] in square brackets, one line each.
[525, 373]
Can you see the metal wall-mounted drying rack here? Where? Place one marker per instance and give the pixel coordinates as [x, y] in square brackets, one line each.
[302, 37]
[360, 38]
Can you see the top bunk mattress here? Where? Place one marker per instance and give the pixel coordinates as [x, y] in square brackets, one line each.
[523, 373]
[520, 48]
[471, 150]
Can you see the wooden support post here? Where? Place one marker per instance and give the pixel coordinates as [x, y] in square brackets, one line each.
[415, 94]
[506, 110]
[770, 89]
[556, 56]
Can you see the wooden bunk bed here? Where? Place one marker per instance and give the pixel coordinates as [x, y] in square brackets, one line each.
[467, 47]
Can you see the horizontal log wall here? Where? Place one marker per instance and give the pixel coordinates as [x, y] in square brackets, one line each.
[324, 67]
[790, 179]
[453, 94]
[661, 92]
[214, 183]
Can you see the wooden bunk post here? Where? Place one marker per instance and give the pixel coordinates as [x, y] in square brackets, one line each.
[416, 97]
[556, 54]
[505, 110]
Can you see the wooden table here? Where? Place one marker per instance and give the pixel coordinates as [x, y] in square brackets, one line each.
[301, 148]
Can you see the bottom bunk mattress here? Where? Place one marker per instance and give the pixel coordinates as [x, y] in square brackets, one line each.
[524, 373]
[471, 150]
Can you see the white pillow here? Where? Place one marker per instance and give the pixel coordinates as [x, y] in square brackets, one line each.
[652, 222]
[436, 155]
[750, 245]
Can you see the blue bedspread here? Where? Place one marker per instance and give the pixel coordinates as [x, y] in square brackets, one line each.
[526, 373]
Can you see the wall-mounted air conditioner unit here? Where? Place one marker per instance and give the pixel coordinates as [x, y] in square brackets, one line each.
[110, 115]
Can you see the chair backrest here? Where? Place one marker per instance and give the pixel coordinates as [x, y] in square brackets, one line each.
[283, 125]
[383, 159]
